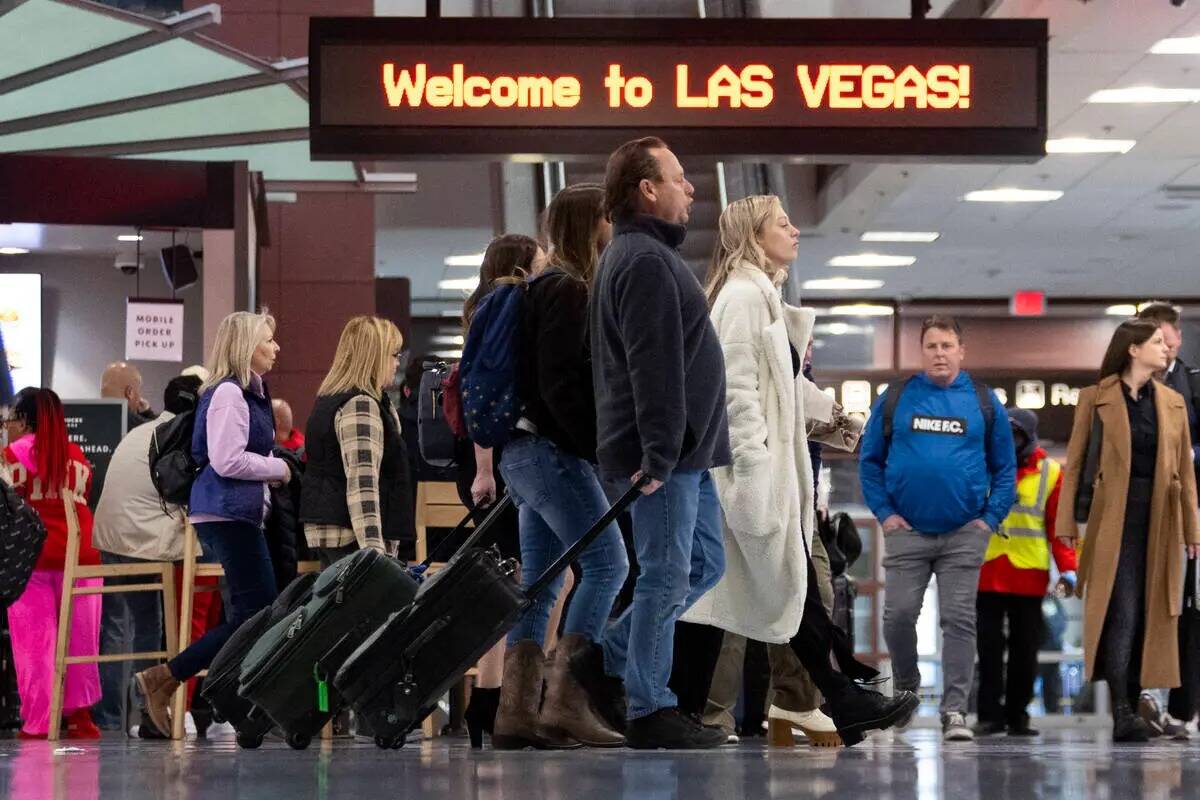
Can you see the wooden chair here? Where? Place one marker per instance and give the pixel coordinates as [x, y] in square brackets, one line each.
[438, 506]
[192, 569]
[73, 571]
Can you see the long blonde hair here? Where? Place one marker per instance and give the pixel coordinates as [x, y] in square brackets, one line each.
[737, 241]
[233, 350]
[363, 361]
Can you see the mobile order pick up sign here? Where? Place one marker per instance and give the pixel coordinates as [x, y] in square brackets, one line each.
[784, 88]
[153, 330]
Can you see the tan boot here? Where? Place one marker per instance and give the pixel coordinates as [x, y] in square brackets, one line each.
[158, 687]
[517, 725]
[568, 707]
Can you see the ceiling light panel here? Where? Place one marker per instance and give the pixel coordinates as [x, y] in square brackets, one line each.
[871, 260]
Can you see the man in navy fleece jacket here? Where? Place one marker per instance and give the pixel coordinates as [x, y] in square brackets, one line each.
[940, 488]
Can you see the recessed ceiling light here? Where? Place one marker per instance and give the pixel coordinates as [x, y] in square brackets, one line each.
[461, 284]
[840, 329]
[900, 236]
[872, 260]
[1146, 94]
[1178, 46]
[473, 260]
[129, 237]
[842, 284]
[1010, 195]
[1083, 144]
[390, 177]
[13, 251]
[862, 310]
[1122, 310]
[458, 340]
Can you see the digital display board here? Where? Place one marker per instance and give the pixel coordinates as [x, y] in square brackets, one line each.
[785, 88]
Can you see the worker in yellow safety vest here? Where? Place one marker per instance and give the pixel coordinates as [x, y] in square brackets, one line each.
[1012, 585]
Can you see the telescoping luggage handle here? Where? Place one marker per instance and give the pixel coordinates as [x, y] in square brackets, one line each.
[573, 552]
[473, 539]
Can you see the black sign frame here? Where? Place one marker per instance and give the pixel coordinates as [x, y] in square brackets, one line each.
[108, 436]
[807, 144]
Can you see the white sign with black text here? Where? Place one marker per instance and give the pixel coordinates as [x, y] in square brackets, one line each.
[154, 330]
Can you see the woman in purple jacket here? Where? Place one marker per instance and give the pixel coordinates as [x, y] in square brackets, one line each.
[235, 430]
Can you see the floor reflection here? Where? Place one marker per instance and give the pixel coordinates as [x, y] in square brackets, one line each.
[916, 766]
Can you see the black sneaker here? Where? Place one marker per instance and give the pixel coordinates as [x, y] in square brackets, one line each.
[1023, 731]
[669, 729]
[988, 728]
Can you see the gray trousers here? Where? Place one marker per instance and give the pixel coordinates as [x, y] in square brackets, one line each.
[910, 559]
[793, 690]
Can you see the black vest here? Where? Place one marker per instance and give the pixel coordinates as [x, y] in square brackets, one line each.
[323, 499]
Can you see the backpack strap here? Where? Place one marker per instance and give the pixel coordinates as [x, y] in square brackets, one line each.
[988, 409]
[891, 399]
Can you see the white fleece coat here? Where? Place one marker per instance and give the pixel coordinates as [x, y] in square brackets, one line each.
[767, 492]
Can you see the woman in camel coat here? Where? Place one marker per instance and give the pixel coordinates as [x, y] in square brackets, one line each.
[1143, 515]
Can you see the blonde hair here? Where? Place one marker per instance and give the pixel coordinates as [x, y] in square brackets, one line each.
[363, 361]
[233, 350]
[737, 241]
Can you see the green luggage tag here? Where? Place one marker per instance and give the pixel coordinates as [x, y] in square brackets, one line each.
[322, 691]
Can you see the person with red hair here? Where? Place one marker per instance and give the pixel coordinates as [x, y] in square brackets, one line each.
[39, 462]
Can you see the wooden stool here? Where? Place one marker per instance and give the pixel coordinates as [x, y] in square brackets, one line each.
[191, 570]
[74, 571]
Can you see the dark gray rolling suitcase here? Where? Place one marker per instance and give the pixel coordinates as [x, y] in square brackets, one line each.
[221, 683]
[288, 671]
[396, 676]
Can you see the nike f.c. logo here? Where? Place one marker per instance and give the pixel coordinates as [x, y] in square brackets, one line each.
[950, 426]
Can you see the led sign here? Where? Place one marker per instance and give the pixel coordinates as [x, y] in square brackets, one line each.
[782, 88]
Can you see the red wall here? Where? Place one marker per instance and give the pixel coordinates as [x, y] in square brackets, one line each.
[320, 268]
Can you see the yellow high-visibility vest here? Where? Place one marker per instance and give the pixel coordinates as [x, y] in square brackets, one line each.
[1026, 544]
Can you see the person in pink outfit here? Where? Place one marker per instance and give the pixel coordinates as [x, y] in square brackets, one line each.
[40, 463]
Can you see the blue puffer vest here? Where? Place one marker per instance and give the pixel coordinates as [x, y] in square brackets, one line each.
[229, 497]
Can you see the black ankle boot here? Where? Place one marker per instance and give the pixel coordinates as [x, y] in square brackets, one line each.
[606, 692]
[480, 715]
[856, 711]
[1128, 726]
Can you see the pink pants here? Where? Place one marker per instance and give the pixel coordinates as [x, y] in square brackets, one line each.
[33, 626]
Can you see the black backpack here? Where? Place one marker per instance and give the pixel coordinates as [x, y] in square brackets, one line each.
[434, 435]
[22, 535]
[172, 468]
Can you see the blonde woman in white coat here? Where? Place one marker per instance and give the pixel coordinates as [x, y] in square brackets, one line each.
[769, 591]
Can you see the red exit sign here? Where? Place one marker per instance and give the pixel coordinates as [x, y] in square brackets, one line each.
[779, 87]
[1028, 304]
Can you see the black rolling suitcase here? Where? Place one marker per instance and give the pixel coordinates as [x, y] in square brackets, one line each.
[396, 676]
[221, 683]
[288, 671]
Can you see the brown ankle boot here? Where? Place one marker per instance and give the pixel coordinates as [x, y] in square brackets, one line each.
[517, 725]
[568, 707]
[158, 687]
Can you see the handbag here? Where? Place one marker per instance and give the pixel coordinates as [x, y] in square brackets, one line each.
[1091, 466]
[22, 535]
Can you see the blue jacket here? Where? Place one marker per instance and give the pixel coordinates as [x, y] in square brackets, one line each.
[939, 480]
[228, 497]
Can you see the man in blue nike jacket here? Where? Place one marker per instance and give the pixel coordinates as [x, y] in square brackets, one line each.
[940, 486]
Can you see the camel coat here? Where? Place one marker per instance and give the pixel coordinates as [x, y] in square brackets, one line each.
[1173, 522]
[767, 492]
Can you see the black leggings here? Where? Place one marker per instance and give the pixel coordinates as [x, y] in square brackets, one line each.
[1120, 652]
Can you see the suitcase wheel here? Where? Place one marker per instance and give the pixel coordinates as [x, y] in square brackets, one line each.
[385, 743]
[298, 741]
[249, 741]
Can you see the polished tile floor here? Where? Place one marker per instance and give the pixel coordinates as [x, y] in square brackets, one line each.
[1068, 765]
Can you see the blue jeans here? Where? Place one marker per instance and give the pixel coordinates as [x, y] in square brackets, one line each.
[558, 497]
[681, 555]
[241, 549]
[130, 622]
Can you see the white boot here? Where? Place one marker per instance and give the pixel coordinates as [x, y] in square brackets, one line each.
[815, 724]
